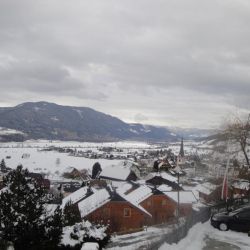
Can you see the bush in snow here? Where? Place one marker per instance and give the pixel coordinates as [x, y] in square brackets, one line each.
[24, 220]
[71, 214]
[75, 236]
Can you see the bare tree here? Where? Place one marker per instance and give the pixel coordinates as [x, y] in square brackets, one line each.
[239, 130]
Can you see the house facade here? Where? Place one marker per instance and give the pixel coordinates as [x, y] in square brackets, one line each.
[108, 207]
[160, 207]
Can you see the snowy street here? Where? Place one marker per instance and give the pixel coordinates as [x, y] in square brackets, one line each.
[205, 237]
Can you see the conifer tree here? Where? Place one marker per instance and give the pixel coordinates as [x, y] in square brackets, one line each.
[23, 218]
[3, 165]
[71, 214]
[96, 170]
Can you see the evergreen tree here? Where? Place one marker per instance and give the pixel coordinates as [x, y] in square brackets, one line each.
[156, 166]
[96, 170]
[71, 214]
[23, 218]
[54, 225]
[3, 165]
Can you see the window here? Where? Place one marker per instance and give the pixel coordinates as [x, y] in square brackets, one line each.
[163, 202]
[244, 214]
[127, 212]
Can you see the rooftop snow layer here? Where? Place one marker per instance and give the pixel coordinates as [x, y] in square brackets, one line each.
[206, 188]
[139, 194]
[7, 131]
[75, 197]
[162, 175]
[93, 202]
[184, 198]
[164, 188]
[120, 171]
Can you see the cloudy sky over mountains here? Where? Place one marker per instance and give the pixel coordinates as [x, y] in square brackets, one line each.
[178, 62]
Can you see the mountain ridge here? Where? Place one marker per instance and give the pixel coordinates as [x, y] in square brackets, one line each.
[44, 120]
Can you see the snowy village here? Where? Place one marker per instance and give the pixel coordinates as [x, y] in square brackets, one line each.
[124, 125]
[131, 195]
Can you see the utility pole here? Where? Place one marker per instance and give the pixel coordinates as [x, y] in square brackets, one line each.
[177, 169]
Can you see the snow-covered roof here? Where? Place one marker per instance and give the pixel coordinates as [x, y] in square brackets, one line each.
[162, 164]
[135, 197]
[164, 188]
[122, 187]
[120, 171]
[241, 184]
[184, 196]
[8, 131]
[93, 202]
[139, 194]
[75, 197]
[163, 175]
[206, 188]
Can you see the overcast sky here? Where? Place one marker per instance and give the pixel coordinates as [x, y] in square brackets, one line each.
[180, 62]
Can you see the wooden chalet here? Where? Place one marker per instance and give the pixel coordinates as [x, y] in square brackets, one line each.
[186, 201]
[159, 206]
[155, 202]
[109, 207]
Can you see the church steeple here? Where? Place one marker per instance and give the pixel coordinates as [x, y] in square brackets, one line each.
[181, 154]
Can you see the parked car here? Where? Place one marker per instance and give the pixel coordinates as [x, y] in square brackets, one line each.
[238, 220]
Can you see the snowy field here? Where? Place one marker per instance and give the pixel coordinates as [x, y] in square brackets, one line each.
[205, 237]
[75, 144]
[47, 161]
[52, 161]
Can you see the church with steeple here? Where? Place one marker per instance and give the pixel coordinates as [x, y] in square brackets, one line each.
[181, 156]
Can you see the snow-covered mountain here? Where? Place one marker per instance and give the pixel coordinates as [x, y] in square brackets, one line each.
[43, 120]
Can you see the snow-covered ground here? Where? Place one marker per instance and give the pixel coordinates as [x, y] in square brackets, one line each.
[29, 154]
[47, 161]
[206, 237]
[7, 131]
[75, 144]
[50, 161]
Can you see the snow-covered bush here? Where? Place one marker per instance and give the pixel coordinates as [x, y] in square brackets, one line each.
[75, 236]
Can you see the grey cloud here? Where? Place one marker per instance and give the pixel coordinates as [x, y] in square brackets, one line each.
[140, 118]
[115, 54]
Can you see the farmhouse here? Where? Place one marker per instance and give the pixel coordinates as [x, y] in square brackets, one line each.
[121, 172]
[109, 207]
[186, 201]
